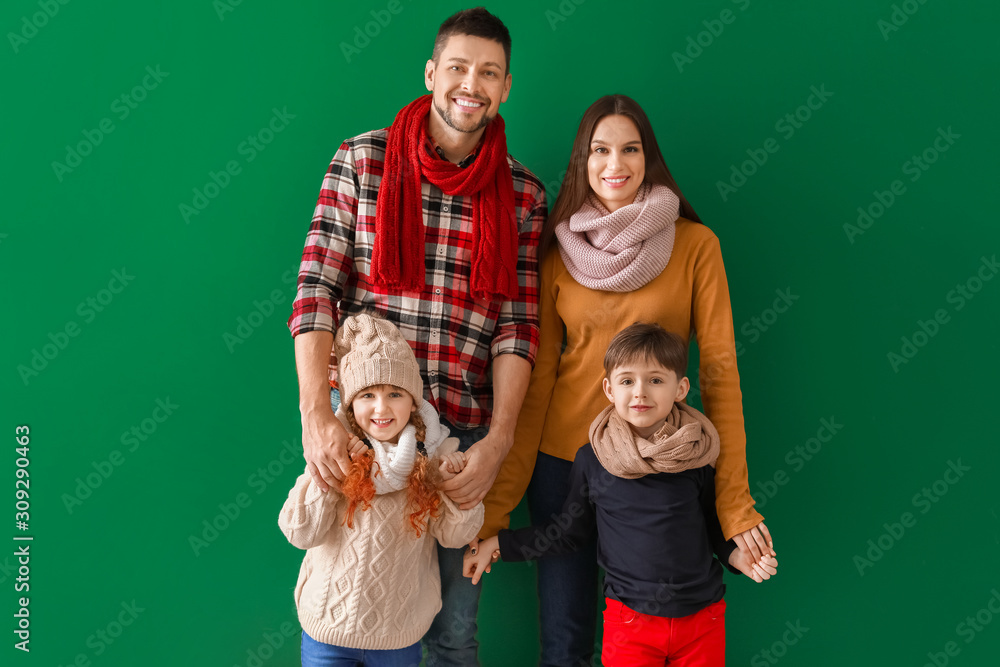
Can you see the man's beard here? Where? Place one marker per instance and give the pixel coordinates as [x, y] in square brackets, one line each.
[449, 120]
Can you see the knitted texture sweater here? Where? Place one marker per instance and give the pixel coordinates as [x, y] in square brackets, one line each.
[690, 298]
[376, 586]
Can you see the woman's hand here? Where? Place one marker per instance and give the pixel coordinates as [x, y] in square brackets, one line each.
[757, 541]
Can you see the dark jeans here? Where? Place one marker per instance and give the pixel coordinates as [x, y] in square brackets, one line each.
[451, 639]
[567, 584]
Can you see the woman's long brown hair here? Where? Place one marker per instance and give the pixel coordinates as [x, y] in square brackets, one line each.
[576, 186]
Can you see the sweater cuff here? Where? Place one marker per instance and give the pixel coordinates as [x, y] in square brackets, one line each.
[508, 551]
[727, 549]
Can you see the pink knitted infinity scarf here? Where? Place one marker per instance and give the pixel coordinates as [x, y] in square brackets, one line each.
[624, 250]
[687, 440]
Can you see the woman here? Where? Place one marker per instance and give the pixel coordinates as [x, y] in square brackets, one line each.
[622, 245]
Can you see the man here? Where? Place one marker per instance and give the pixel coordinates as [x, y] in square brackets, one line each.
[431, 224]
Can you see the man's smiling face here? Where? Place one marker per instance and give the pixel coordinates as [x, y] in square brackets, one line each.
[468, 82]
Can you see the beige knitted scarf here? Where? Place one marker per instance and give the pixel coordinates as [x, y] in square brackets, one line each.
[624, 250]
[687, 440]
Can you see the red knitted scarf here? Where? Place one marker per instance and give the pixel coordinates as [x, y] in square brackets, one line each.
[398, 256]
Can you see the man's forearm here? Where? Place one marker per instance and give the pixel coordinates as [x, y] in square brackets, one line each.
[511, 374]
[312, 361]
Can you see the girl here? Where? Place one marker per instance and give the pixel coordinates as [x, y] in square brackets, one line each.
[369, 584]
[622, 244]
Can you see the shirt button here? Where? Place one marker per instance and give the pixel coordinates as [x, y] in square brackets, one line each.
[441, 250]
[434, 334]
[437, 291]
[445, 209]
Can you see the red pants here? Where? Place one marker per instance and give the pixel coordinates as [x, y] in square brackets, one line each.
[632, 639]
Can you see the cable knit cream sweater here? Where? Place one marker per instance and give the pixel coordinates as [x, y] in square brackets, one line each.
[376, 586]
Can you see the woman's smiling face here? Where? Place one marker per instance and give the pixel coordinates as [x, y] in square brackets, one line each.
[616, 165]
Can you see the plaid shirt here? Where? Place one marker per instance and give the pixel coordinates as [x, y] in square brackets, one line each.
[453, 335]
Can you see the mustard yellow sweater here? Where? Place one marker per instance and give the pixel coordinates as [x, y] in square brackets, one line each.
[690, 298]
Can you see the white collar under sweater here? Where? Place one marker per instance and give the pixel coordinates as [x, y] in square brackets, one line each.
[395, 461]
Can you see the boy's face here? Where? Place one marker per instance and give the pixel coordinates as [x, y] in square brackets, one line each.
[643, 393]
[383, 411]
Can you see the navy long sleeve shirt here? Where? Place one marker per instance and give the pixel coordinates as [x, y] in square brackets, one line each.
[656, 536]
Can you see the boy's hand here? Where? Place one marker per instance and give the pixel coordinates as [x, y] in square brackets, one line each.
[479, 560]
[451, 465]
[756, 541]
[757, 570]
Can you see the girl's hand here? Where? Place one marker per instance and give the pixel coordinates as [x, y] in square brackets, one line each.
[758, 570]
[451, 465]
[479, 559]
[356, 447]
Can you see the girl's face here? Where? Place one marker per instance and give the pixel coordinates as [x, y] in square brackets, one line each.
[383, 411]
[616, 164]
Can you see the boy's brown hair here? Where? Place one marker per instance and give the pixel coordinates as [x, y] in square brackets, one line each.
[643, 341]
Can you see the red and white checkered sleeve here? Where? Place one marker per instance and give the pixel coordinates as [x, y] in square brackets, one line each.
[327, 259]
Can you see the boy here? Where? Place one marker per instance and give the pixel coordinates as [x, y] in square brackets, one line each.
[645, 483]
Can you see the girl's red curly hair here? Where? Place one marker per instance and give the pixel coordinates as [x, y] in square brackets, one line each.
[423, 500]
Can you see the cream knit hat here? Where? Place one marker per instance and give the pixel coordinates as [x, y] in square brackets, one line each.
[371, 351]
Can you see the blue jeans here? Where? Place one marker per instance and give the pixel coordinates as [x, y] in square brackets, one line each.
[567, 584]
[318, 654]
[451, 639]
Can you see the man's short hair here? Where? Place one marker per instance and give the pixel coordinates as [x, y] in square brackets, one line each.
[476, 22]
[647, 342]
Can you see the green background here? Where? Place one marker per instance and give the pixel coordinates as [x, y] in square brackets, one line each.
[173, 332]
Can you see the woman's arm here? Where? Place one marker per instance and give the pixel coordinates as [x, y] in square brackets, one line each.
[719, 383]
[515, 473]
